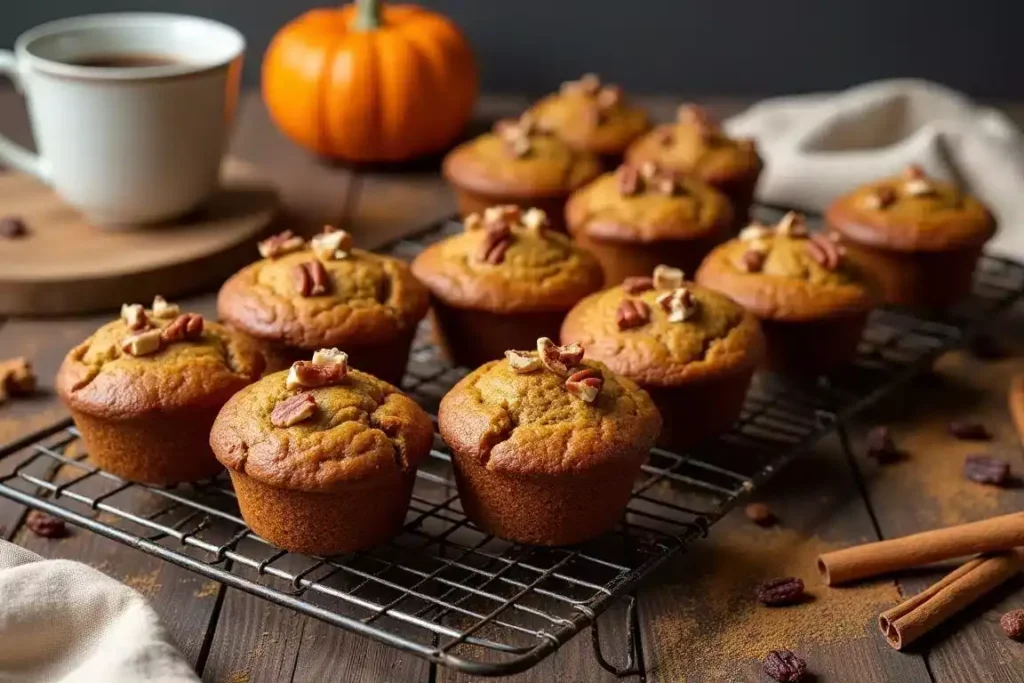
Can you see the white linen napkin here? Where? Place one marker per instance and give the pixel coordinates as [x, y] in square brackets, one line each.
[818, 147]
[65, 622]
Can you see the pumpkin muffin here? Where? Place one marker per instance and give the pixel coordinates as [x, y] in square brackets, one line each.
[636, 218]
[694, 350]
[323, 458]
[505, 281]
[304, 296]
[145, 389]
[696, 145]
[592, 117]
[546, 447]
[518, 164]
[919, 237]
[813, 301]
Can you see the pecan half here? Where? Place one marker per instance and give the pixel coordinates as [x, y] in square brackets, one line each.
[162, 309]
[559, 359]
[311, 278]
[516, 135]
[781, 592]
[522, 362]
[307, 374]
[280, 244]
[333, 245]
[536, 220]
[753, 260]
[46, 525]
[969, 430]
[293, 410]
[585, 384]
[667, 277]
[986, 469]
[1012, 624]
[824, 251]
[632, 313]
[784, 666]
[331, 356]
[680, 304]
[496, 241]
[792, 225]
[12, 227]
[134, 316]
[628, 179]
[185, 326]
[143, 343]
[637, 284]
[16, 378]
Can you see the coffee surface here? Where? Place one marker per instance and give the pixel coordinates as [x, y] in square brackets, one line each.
[125, 60]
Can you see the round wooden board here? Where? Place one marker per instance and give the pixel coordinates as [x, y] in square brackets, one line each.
[66, 265]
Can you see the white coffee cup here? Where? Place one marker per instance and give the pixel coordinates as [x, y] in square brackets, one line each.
[127, 143]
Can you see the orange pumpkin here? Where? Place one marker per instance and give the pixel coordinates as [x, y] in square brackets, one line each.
[370, 82]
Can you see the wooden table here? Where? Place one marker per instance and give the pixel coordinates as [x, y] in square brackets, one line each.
[232, 637]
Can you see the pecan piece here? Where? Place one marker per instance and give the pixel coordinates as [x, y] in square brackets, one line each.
[628, 179]
[680, 304]
[760, 514]
[134, 316]
[919, 188]
[331, 246]
[969, 430]
[879, 198]
[609, 97]
[637, 285]
[523, 363]
[311, 278]
[46, 525]
[780, 592]
[329, 366]
[585, 384]
[756, 232]
[12, 227]
[496, 241]
[472, 222]
[504, 214]
[632, 313]
[559, 359]
[280, 244]
[162, 309]
[1012, 624]
[986, 469]
[664, 137]
[914, 172]
[792, 225]
[293, 410]
[16, 378]
[535, 220]
[143, 343]
[784, 666]
[753, 260]
[879, 445]
[824, 251]
[667, 185]
[667, 277]
[185, 326]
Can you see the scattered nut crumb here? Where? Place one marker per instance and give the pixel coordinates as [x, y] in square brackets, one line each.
[16, 378]
[1013, 624]
[969, 430]
[46, 525]
[760, 514]
[13, 227]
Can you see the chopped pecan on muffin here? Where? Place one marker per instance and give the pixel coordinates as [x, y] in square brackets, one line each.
[505, 281]
[812, 300]
[918, 236]
[546, 445]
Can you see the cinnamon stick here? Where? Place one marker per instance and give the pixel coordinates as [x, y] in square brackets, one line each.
[871, 559]
[911, 619]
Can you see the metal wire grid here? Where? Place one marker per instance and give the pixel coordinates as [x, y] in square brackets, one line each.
[444, 589]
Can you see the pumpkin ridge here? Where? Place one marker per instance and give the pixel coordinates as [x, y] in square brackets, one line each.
[323, 134]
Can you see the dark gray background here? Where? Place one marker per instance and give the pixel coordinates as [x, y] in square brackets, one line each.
[726, 47]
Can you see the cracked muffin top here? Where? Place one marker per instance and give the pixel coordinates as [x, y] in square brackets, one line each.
[508, 260]
[647, 204]
[695, 144]
[322, 293]
[591, 116]
[786, 273]
[518, 159]
[321, 426]
[547, 412]
[151, 361]
[912, 212]
[661, 331]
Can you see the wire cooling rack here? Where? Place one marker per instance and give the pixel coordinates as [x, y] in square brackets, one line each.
[447, 591]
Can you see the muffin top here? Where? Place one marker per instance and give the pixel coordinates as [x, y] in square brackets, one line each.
[154, 360]
[547, 412]
[696, 144]
[322, 293]
[320, 426]
[519, 159]
[661, 331]
[508, 260]
[785, 273]
[912, 212]
[647, 204]
[591, 116]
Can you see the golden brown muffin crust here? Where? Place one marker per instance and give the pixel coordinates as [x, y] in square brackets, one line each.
[371, 299]
[542, 271]
[604, 212]
[100, 379]
[791, 284]
[529, 424]
[362, 428]
[696, 144]
[550, 168]
[912, 212]
[721, 339]
[591, 116]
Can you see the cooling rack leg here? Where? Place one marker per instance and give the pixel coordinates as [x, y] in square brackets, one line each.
[631, 668]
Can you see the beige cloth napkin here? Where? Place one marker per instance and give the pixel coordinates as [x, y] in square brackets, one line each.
[65, 622]
[820, 146]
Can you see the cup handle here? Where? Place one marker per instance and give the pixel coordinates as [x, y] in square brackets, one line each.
[12, 153]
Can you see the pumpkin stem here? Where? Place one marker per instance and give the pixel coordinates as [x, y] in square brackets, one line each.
[367, 15]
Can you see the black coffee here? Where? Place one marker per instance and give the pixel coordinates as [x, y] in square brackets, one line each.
[125, 60]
